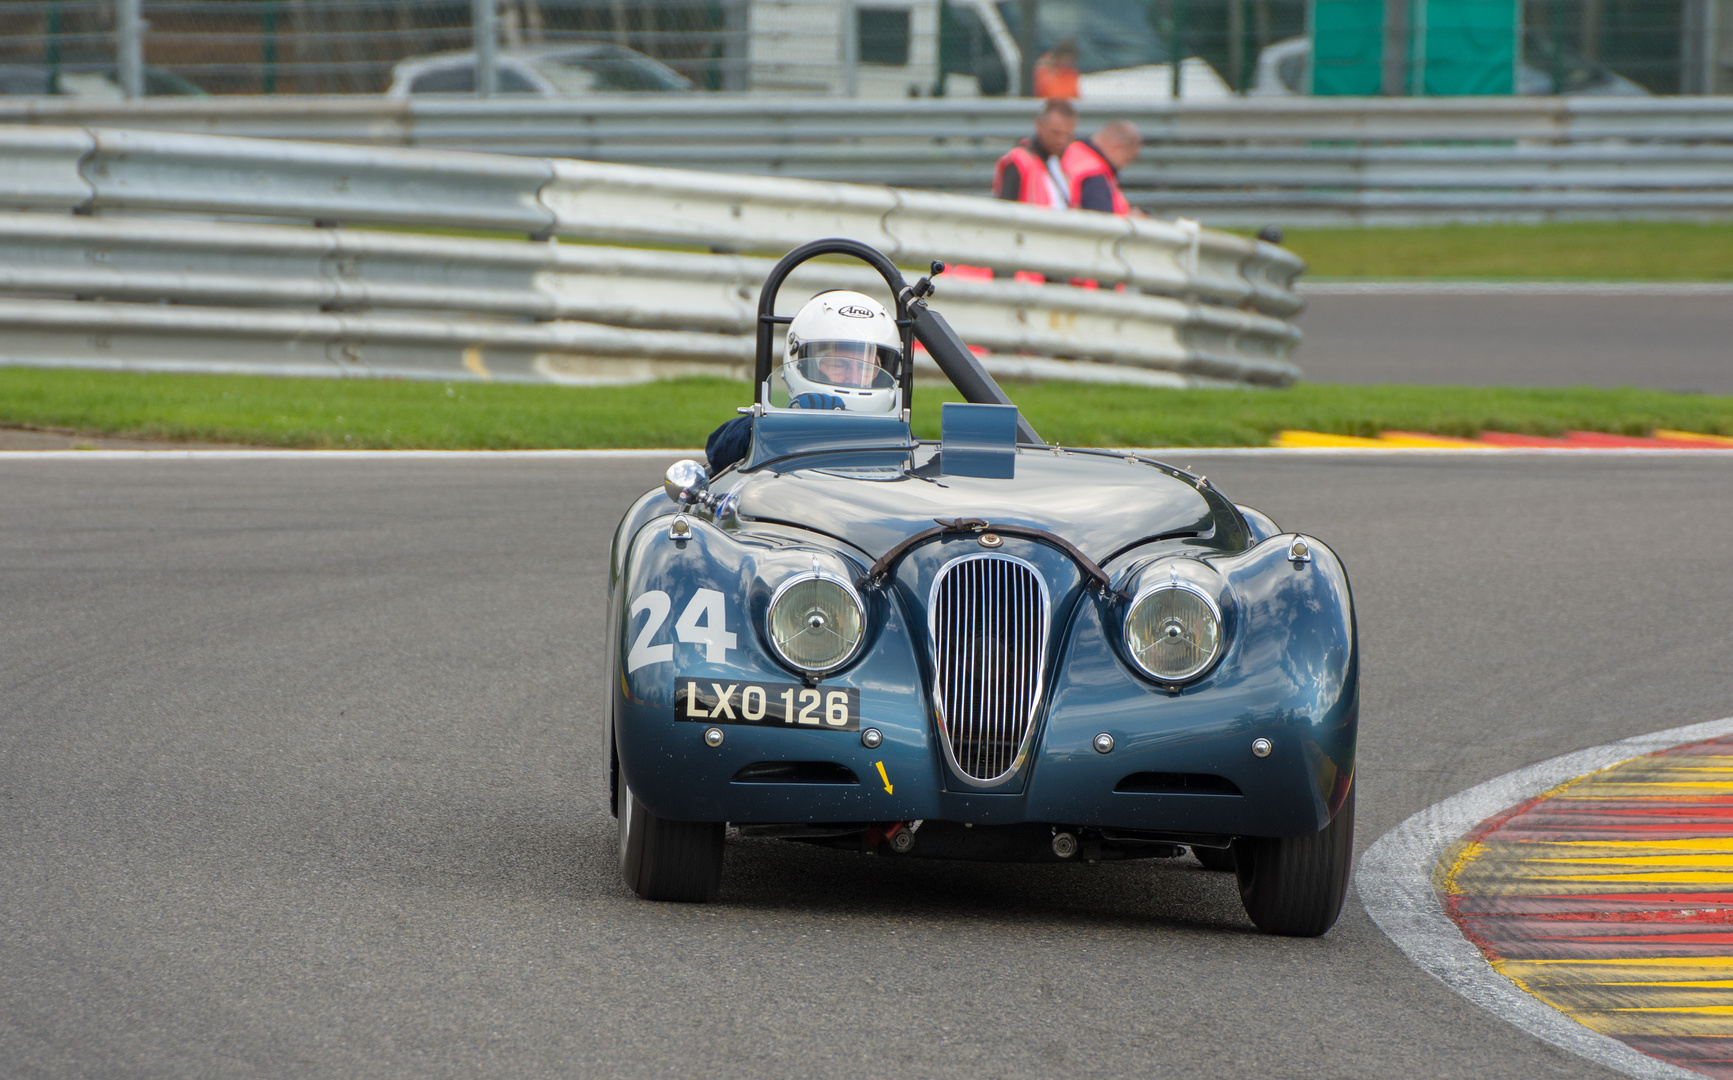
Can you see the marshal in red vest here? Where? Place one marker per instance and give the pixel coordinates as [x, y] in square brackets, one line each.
[1082, 161]
[1035, 183]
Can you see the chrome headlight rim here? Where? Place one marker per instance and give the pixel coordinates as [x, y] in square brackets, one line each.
[848, 589]
[1215, 612]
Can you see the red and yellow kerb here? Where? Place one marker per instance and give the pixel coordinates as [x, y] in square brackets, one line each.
[1611, 899]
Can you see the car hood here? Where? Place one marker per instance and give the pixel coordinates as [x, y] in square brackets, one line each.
[1100, 504]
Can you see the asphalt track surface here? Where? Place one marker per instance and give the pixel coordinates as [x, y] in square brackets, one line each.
[1663, 339]
[298, 769]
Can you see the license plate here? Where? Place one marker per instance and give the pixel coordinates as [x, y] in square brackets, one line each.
[713, 701]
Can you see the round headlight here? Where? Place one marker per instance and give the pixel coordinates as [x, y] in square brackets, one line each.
[1173, 631]
[815, 623]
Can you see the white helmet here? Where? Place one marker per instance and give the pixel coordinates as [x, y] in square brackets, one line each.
[845, 345]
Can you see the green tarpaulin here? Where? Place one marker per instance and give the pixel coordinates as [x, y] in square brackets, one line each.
[1454, 47]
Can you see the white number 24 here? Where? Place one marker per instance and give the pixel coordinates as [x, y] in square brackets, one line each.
[712, 633]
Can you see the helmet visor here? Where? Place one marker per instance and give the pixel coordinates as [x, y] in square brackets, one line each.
[834, 382]
[850, 365]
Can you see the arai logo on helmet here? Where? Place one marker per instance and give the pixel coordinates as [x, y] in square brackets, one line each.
[855, 311]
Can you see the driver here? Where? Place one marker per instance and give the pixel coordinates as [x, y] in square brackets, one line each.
[842, 352]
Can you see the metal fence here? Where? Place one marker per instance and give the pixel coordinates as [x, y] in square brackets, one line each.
[1245, 163]
[171, 251]
[349, 46]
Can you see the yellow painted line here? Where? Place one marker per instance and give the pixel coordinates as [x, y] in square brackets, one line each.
[1681, 761]
[1664, 787]
[1658, 777]
[1666, 764]
[1638, 791]
[1692, 436]
[1654, 879]
[1684, 764]
[1464, 859]
[1292, 439]
[1688, 843]
[1538, 880]
[1652, 777]
[1416, 438]
[1605, 886]
[1686, 1026]
[1639, 860]
[1704, 983]
[1605, 997]
[1623, 967]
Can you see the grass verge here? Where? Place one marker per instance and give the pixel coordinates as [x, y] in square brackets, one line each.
[1570, 251]
[1563, 251]
[337, 413]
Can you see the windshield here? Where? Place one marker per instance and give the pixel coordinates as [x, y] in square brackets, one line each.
[1110, 34]
[610, 69]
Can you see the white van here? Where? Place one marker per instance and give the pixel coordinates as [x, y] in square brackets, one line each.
[894, 48]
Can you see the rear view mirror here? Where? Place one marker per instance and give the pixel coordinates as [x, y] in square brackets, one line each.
[686, 482]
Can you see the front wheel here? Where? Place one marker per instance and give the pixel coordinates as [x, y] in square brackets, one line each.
[667, 860]
[1293, 885]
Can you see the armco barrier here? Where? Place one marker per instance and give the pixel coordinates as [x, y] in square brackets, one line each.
[1245, 161]
[627, 203]
[201, 174]
[183, 219]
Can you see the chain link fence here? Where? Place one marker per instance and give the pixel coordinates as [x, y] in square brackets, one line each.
[877, 48]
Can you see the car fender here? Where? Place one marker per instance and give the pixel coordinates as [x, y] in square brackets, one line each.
[1288, 673]
[719, 584]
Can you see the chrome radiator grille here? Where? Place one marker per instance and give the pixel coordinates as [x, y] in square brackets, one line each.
[988, 621]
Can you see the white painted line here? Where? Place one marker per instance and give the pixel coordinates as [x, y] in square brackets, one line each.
[1394, 882]
[1168, 452]
[1446, 451]
[178, 454]
[1515, 288]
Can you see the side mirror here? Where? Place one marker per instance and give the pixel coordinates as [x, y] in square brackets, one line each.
[686, 483]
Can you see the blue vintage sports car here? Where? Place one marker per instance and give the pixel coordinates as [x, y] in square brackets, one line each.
[981, 648]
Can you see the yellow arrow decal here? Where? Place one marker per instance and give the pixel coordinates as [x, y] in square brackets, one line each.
[886, 779]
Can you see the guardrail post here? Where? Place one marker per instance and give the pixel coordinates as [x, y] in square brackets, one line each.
[1701, 47]
[1025, 48]
[734, 46]
[850, 49]
[1237, 53]
[51, 51]
[486, 33]
[129, 45]
[1176, 47]
[1393, 79]
[268, 27]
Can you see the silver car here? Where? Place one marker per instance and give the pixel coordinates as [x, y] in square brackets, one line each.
[1284, 70]
[549, 71]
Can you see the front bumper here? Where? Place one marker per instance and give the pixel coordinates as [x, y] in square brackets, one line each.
[1205, 730]
[1289, 675]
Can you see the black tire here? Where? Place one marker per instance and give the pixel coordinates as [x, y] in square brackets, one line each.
[1293, 885]
[1214, 858]
[679, 861]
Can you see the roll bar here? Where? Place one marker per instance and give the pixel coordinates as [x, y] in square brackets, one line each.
[915, 322]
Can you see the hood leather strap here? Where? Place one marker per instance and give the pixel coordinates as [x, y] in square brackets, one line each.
[952, 526]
